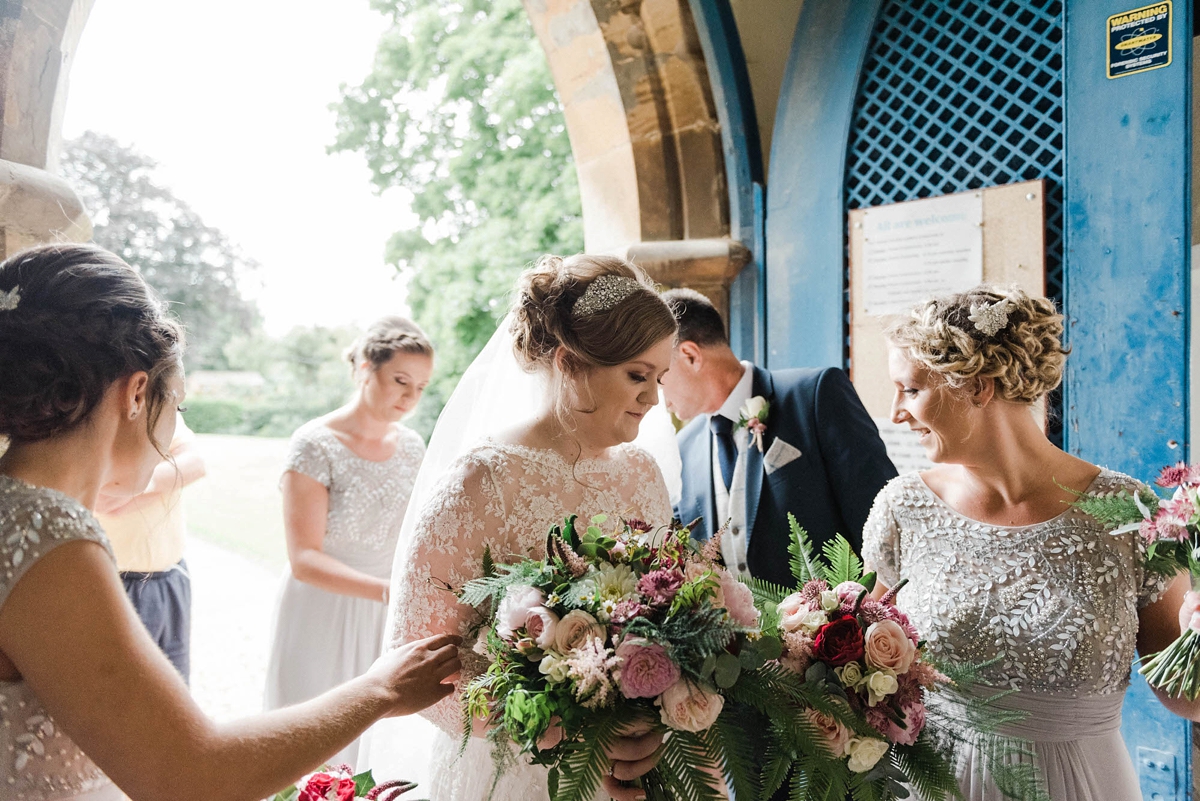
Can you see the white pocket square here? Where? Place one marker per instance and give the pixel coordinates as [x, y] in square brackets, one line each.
[779, 454]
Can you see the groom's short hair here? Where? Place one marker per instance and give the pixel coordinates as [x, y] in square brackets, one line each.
[699, 320]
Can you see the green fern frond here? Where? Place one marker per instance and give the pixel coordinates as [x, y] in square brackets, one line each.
[730, 740]
[842, 563]
[803, 567]
[1119, 509]
[586, 760]
[687, 768]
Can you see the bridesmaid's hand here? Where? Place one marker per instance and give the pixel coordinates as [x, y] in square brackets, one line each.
[1189, 612]
[418, 674]
[633, 756]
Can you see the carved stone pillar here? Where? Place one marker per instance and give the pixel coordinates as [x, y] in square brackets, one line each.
[705, 265]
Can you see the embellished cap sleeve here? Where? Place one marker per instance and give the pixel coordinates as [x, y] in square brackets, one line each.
[33, 522]
[308, 455]
[881, 536]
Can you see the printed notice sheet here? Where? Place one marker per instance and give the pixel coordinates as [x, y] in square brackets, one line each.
[921, 248]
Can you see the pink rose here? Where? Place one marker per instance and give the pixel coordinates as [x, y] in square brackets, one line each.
[514, 609]
[738, 600]
[793, 611]
[888, 647]
[686, 707]
[575, 629]
[646, 670]
[834, 734]
[327, 786]
[540, 624]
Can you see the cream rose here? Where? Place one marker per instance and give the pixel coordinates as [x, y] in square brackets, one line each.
[887, 647]
[554, 668]
[830, 600]
[879, 685]
[754, 407]
[850, 674]
[576, 628]
[864, 752]
[686, 707]
[835, 735]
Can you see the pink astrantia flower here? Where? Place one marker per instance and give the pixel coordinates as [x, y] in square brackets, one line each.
[1178, 474]
[659, 586]
[646, 669]
[1173, 517]
[628, 609]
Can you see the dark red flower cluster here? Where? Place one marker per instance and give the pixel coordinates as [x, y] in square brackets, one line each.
[839, 641]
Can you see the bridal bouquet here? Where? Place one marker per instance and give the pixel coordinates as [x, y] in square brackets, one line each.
[339, 783]
[640, 627]
[1170, 529]
[859, 682]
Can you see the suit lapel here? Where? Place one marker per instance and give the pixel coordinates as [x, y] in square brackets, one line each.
[710, 496]
[762, 385]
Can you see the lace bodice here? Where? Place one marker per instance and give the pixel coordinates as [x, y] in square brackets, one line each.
[38, 762]
[1054, 603]
[506, 497]
[367, 499]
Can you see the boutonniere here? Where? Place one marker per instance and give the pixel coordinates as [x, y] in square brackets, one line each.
[754, 419]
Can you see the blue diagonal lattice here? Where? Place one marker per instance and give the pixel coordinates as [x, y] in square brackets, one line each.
[958, 95]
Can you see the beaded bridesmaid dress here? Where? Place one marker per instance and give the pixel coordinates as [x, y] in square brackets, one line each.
[1055, 605]
[38, 761]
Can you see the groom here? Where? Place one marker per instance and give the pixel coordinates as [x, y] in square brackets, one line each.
[818, 457]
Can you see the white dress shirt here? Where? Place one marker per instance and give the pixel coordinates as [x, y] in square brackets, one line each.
[731, 502]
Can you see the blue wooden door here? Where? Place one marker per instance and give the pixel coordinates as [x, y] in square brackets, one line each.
[890, 100]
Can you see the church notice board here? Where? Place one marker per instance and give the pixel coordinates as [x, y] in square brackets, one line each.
[905, 252]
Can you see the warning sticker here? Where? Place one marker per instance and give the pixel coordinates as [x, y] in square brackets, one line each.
[1139, 40]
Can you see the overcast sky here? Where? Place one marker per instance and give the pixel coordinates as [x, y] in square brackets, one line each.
[231, 98]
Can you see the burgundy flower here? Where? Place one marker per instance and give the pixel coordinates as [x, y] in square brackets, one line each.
[659, 586]
[839, 642]
[328, 787]
[640, 526]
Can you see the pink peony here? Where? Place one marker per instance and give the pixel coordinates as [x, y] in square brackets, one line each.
[659, 587]
[831, 731]
[914, 722]
[888, 647]
[646, 670]
[514, 609]
[794, 612]
[848, 592]
[540, 624]
[738, 600]
[686, 707]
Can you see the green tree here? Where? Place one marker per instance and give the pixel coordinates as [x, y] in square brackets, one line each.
[460, 110]
[192, 265]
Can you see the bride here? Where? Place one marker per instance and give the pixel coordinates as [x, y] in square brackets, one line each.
[595, 332]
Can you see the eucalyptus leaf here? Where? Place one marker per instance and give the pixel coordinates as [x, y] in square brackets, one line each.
[728, 670]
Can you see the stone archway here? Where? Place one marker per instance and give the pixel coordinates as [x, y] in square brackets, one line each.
[645, 134]
[37, 42]
[631, 75]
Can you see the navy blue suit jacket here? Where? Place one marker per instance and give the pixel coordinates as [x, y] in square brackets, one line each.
[829, 488]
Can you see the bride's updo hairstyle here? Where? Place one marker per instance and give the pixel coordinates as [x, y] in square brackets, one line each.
[74, 319]
[545, 315]
[987, 332]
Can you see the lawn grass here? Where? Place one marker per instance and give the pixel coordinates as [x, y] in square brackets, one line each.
[237, 505]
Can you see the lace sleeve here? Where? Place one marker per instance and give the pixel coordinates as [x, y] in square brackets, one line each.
[307, 457]
[881, 539]
[463, 514]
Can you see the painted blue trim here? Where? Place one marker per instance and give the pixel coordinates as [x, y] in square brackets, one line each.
[1127, 294]
[734, 101]
[806, 325]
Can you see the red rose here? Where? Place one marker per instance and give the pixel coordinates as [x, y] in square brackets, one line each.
[839, 642]
[324, 787]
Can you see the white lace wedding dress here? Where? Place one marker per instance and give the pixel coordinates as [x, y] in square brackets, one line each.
[1053, 607]
[507, 497]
